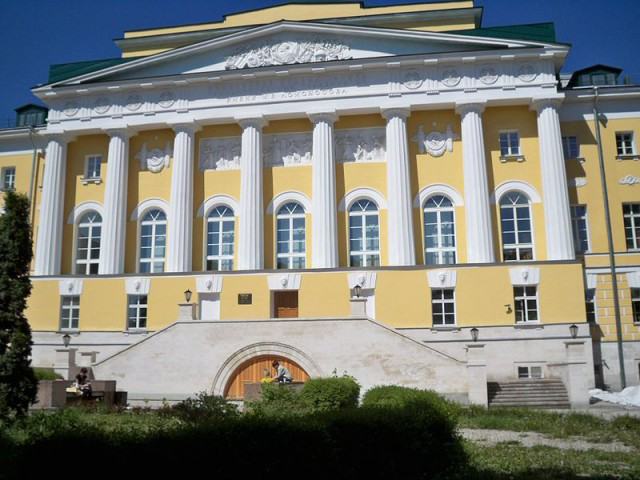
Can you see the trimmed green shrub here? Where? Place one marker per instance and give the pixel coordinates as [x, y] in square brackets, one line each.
[46, 374]
[394, 396]
[202, 408]
[327, 394]
[277, 400]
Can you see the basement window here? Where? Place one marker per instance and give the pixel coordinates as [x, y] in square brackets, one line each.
[529, 372]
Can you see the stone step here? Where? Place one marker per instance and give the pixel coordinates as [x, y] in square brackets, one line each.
[560, 396]
[536, 393]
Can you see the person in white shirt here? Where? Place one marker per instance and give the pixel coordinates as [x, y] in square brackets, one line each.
[282, 374]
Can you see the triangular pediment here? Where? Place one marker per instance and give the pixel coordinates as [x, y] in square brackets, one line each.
[290, 43]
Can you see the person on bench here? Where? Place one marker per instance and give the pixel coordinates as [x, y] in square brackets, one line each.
[83, 384]
[282, 374]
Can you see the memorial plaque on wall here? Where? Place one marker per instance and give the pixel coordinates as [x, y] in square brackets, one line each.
[244, 299]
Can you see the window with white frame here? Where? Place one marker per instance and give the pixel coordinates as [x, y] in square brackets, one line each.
[137, 312]
[509, 144]
[590, 303]
[364, 234]
[580, 228]
[220, 236]
[8, 178]
[624, 143]
[69, 312]
[635, 304]
[153, 240]
[88, 243]
[439, 231]
[515, 222]
[92, 166]
[570, 147]
[290, 236]
[631, 215]
[526, 304]
[529, 372]
[443, 306]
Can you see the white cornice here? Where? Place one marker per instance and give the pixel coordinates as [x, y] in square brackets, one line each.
[278, 27]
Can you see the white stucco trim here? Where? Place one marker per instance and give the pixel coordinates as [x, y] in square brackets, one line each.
[209, 284]
[438, 189]
[284, 281]
[137, 286]
[524, 276]
[360, 193]
[442, 278]
[83, 208]
[71, 286]
[148, 204]
[519, 185]
[634, 279]
[289, 196]
[216, 201]
[257, 349]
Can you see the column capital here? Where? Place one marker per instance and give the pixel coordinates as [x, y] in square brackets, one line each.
[255, 121]
[329, 116]
[122, 132]
[388, 113]
[462, 108]
[62, 137]
[540, 103]
[187, 127]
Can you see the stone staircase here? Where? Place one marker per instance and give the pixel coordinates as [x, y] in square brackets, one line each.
[534, 393]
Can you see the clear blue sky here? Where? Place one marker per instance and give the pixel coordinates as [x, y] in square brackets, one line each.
[37, 33]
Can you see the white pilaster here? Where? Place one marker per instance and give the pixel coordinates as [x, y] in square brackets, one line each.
[401, 245]
[49, 241]
[476, 191]
[180, 218]
[115, 204]
[557, 214]
[250, 221]
[324, 223]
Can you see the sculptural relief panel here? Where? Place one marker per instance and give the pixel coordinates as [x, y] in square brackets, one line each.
[361, 145]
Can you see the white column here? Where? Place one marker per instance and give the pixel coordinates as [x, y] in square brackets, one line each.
[49, 239]
[476, 190]
[324, 223]
[557, 214]
[115, 204]
[251, 217]
[401, 246]
[180, 218]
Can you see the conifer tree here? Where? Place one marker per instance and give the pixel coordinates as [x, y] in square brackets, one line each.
[18, 384]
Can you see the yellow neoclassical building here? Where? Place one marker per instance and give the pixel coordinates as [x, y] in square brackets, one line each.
[395, 192]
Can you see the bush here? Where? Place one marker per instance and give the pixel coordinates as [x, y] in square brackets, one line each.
[393, 396]
[46, 374]
[202, 408]
[277, 400]
[327, 394]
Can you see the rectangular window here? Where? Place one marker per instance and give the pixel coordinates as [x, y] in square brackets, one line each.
[624, 143]
[8, 180]
[509, 144]
[570, 147]
[92, 166]
[69, 312]
[530, 372]
[443, 304]
[137, 312]
[635, 304]
[526, 304]
[580, 228]
[631, 215]
[590, 303]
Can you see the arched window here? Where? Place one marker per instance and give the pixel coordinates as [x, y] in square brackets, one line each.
[439, 231]
[88, 243]
[220, 225]
[364, 234]
[515, 221]
[290, 236]
[153, 240]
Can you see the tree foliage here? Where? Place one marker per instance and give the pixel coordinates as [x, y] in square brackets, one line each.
[18, 384]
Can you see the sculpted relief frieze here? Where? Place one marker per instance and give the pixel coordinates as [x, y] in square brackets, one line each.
[155, 159]
[266, 54]
[435, 143]
[221, 153]
[287, 149]
[361, 145]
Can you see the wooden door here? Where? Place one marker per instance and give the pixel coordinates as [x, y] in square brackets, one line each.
[285, 304]
[253, 370]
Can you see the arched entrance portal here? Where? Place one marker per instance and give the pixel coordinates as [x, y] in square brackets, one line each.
[252, 370]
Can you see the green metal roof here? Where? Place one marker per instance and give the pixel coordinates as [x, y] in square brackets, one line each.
[539, 32]
[63, 71]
